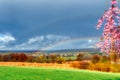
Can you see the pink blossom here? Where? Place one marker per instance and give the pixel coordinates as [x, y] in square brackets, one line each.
[113, 2]
[111, 32]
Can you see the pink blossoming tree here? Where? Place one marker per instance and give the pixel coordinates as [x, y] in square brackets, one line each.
[110, 40]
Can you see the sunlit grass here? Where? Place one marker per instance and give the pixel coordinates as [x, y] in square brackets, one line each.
[27, 73]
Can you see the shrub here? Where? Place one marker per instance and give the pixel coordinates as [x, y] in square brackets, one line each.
[60, 60]
[13, 57]
[100, 67]
[87, 56]
[81, 65]
[115, 68]
[22, 57]
[104, 59]
[30, 58]
[95, 58]
[53, 57]
[84, 65]
[41, 59]
[113, 56]
[5, 58]
[80, 57]
[0, 57]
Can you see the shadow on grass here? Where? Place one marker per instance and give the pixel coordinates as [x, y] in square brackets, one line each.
[117, 79]
[112, 79]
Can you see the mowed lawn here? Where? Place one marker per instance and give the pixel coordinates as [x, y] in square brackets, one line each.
[24, 73]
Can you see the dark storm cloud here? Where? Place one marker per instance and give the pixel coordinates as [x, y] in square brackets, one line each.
[25, 19]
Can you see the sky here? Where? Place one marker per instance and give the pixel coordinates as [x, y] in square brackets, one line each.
[50, 24]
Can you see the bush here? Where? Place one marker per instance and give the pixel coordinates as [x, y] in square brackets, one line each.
[80, 57]
[115, 68]
[87, 56]
[60, 60]
[95, 58]
[5, 58]
[104, 59]
[53, 57]
[41, 59]
[84, 65]
[30, 58]
[0, 57]
[113, 56]
[106, 67]
[22, 57]
[81, 65]
[14, 57]
[100, 67]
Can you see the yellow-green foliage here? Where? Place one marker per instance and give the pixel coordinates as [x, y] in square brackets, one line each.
[100, 67]
[106, 67]
[115, 67]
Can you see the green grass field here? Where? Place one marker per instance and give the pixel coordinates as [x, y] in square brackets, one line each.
[24, 73]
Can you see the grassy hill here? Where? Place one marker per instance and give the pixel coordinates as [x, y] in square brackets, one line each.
[24, 73]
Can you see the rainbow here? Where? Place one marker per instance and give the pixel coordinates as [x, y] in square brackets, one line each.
[72, 43]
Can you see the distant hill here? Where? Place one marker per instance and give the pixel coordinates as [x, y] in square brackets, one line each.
[76, 50]
[53, 51]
